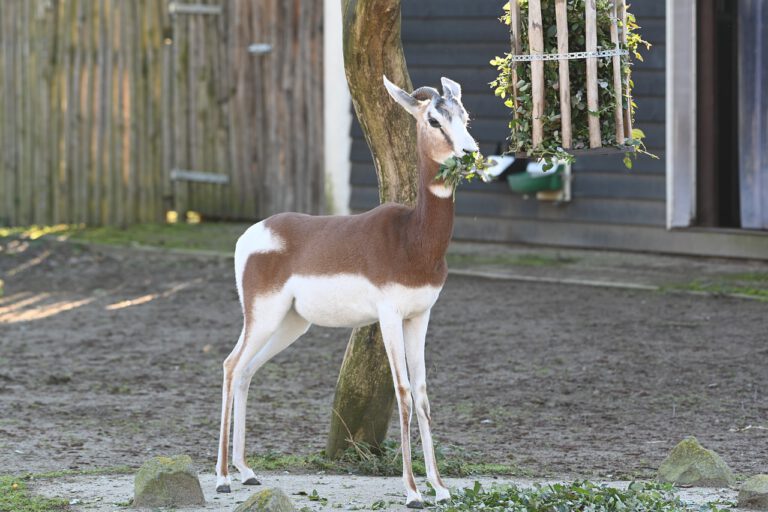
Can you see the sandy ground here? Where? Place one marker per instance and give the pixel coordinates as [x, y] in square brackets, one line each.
[108, 493]
[107, 358]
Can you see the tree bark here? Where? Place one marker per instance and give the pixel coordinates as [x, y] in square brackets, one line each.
[365, 398]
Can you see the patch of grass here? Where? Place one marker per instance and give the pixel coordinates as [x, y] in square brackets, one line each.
[755, 277]
[387, 461]
[113, 470]
[523, 260]
[727, 285]
[15, 497]
[271, 461]
[204, 236]
[648, 497]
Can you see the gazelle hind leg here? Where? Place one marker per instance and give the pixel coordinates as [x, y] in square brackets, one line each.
[222, 466]
[291, 328]
[392, 332]
[415, 332]
[259, 325]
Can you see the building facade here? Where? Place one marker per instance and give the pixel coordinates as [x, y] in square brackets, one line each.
[699, 92]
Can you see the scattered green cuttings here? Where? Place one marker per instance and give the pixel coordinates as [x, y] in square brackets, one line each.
[577, 496]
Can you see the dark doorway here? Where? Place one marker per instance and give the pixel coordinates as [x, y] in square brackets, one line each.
[717, 186]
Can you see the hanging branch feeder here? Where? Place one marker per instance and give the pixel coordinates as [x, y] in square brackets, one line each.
[569, 102]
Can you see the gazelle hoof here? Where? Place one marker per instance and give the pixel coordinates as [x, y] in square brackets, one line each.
[223, 488]
[415, 504]
[252, 481]
[442, 496]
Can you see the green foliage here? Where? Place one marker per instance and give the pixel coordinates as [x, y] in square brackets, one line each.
[455, 170]
[521, 124]
[585, 496]
[15, 497]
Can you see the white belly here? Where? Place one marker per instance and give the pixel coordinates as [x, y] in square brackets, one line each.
[352, 301]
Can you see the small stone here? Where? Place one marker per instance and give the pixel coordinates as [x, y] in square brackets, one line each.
[689, 463]
[754, 493]
[167, 482]
[268, 500]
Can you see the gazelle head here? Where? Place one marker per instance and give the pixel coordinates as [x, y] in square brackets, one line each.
[441, 121]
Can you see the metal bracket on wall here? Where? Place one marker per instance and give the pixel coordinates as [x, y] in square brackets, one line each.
[260, 48]
[559, 196]
[180, 8]
[198, 176]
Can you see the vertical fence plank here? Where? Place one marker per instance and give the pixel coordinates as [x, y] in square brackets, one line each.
[181, 107]
[39, 65]
[75, 172]
[561, 15]
[536, 43]
[27, 153]
[10, 158]
[593, 106]
[617, 81]
[4, 195]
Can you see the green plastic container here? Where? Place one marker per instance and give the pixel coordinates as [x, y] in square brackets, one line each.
[526, 183]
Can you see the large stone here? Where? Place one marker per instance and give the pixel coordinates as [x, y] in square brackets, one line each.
[754, 493]
[689, 463]
[167, 482]
[268, 500]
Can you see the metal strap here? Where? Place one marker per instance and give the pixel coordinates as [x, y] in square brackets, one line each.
[568, 56]
[181, 8]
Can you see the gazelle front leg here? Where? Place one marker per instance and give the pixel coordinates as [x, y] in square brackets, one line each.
[415, 332]
[392, 331]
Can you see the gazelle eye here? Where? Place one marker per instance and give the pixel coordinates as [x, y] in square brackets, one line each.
[434, 123]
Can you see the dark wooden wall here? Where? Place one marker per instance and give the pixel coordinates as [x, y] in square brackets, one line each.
[457, 39]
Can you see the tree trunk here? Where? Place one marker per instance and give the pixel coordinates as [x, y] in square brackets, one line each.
[365, 396]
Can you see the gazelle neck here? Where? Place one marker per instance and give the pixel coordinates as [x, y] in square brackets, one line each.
[433, 214]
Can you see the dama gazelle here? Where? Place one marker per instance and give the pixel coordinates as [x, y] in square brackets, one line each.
[386, 265]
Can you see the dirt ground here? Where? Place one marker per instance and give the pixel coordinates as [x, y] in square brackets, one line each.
[109, 357]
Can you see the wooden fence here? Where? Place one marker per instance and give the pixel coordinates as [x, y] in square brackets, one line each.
[100, 100]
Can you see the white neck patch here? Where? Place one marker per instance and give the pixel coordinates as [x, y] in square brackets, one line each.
[441, 190]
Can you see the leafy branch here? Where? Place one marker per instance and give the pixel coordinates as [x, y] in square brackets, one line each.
[456, 170]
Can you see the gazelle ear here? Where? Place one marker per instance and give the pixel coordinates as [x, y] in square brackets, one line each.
[408, 102]
[451, 89]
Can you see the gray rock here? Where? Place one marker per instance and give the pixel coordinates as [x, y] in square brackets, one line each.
[268, 500]
[689, 463]
[167, 482]
[754, 493]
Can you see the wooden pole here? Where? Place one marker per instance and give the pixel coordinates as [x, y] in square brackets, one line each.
[561, 13]
[617, 82]
[622, 14]
[516, 46]
[536, 43]
[593, 106]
